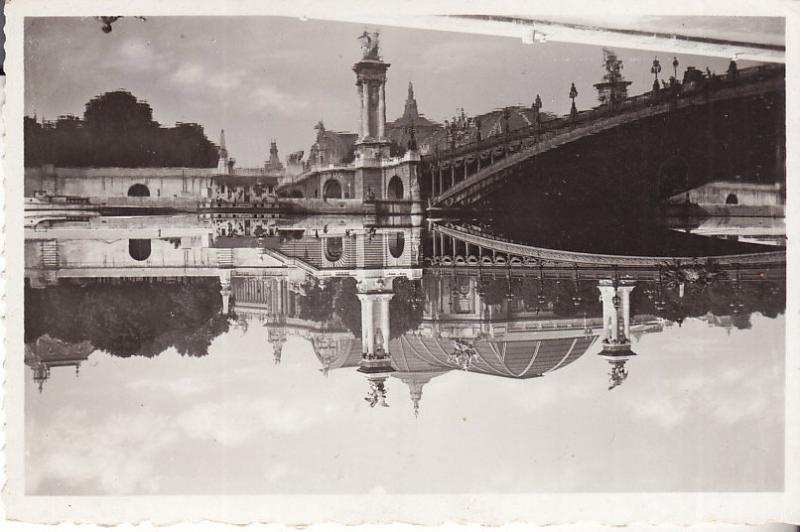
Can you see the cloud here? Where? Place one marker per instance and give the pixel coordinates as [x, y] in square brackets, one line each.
[454, 55]
[275, 472]
[137, 54]
[116, 457]
[237, 419]
[199, 77]
[180, 387]
[669, 412]
[270, 98]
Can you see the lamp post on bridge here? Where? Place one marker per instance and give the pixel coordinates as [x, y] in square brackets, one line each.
[573, 93]
[655, 70]
[675, 64]
[537, 105]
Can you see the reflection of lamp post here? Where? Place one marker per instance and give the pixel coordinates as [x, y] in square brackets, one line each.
[415, 299]
[540, 299]
[577, 299]
[660, 303]
[615, 283]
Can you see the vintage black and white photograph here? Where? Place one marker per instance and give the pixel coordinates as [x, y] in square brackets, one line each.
[478, 254]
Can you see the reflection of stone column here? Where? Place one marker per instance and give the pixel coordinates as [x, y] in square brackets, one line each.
[225, 290]
[383, 306]
[375, 316]
[626, 311]
[416, 243]
[367, 318]
[616, 343]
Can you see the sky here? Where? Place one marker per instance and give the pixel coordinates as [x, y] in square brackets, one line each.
[261, 78]
[702, 410]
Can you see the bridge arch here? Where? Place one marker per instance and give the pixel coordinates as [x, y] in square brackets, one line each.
[732, 199]
[394, 189]
[332, 189]
[139, 190]
[139, 248]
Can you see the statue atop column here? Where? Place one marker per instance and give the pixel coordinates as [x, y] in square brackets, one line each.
[377, 393]
[369, 45]
[618, 373]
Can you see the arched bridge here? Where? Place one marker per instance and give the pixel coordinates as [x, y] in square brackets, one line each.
[463, 175]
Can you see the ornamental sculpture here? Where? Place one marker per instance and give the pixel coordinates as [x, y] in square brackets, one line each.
[369, 45]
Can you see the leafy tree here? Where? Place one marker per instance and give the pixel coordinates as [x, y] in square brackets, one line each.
[116, 130]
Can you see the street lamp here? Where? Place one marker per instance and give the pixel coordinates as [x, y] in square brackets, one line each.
[655, 70]
[573, 93]
[675, 67]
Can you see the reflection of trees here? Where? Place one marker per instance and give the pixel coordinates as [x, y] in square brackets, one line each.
[347, 306]
[132, 318]
[317, 302]
[722, 298]
[341, 302]
[405, 308]
[334, 300]
[564, 297]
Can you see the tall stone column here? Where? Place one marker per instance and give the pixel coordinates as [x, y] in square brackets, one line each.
[371, 79]
[362, 130]
[382, 111]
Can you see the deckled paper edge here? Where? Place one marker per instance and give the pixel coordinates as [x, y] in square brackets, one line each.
[612, 509]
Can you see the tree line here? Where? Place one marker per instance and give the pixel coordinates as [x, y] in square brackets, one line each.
[116, 130]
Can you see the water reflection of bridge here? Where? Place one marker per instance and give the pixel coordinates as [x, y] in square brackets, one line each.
[466, 248]
[471, 316]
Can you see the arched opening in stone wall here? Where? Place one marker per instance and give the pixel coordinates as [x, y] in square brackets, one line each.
[397, 243]
[395, 188]
[732, 199]
[332, 189]
[334, 248]
[139, 191]
[139, 248]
